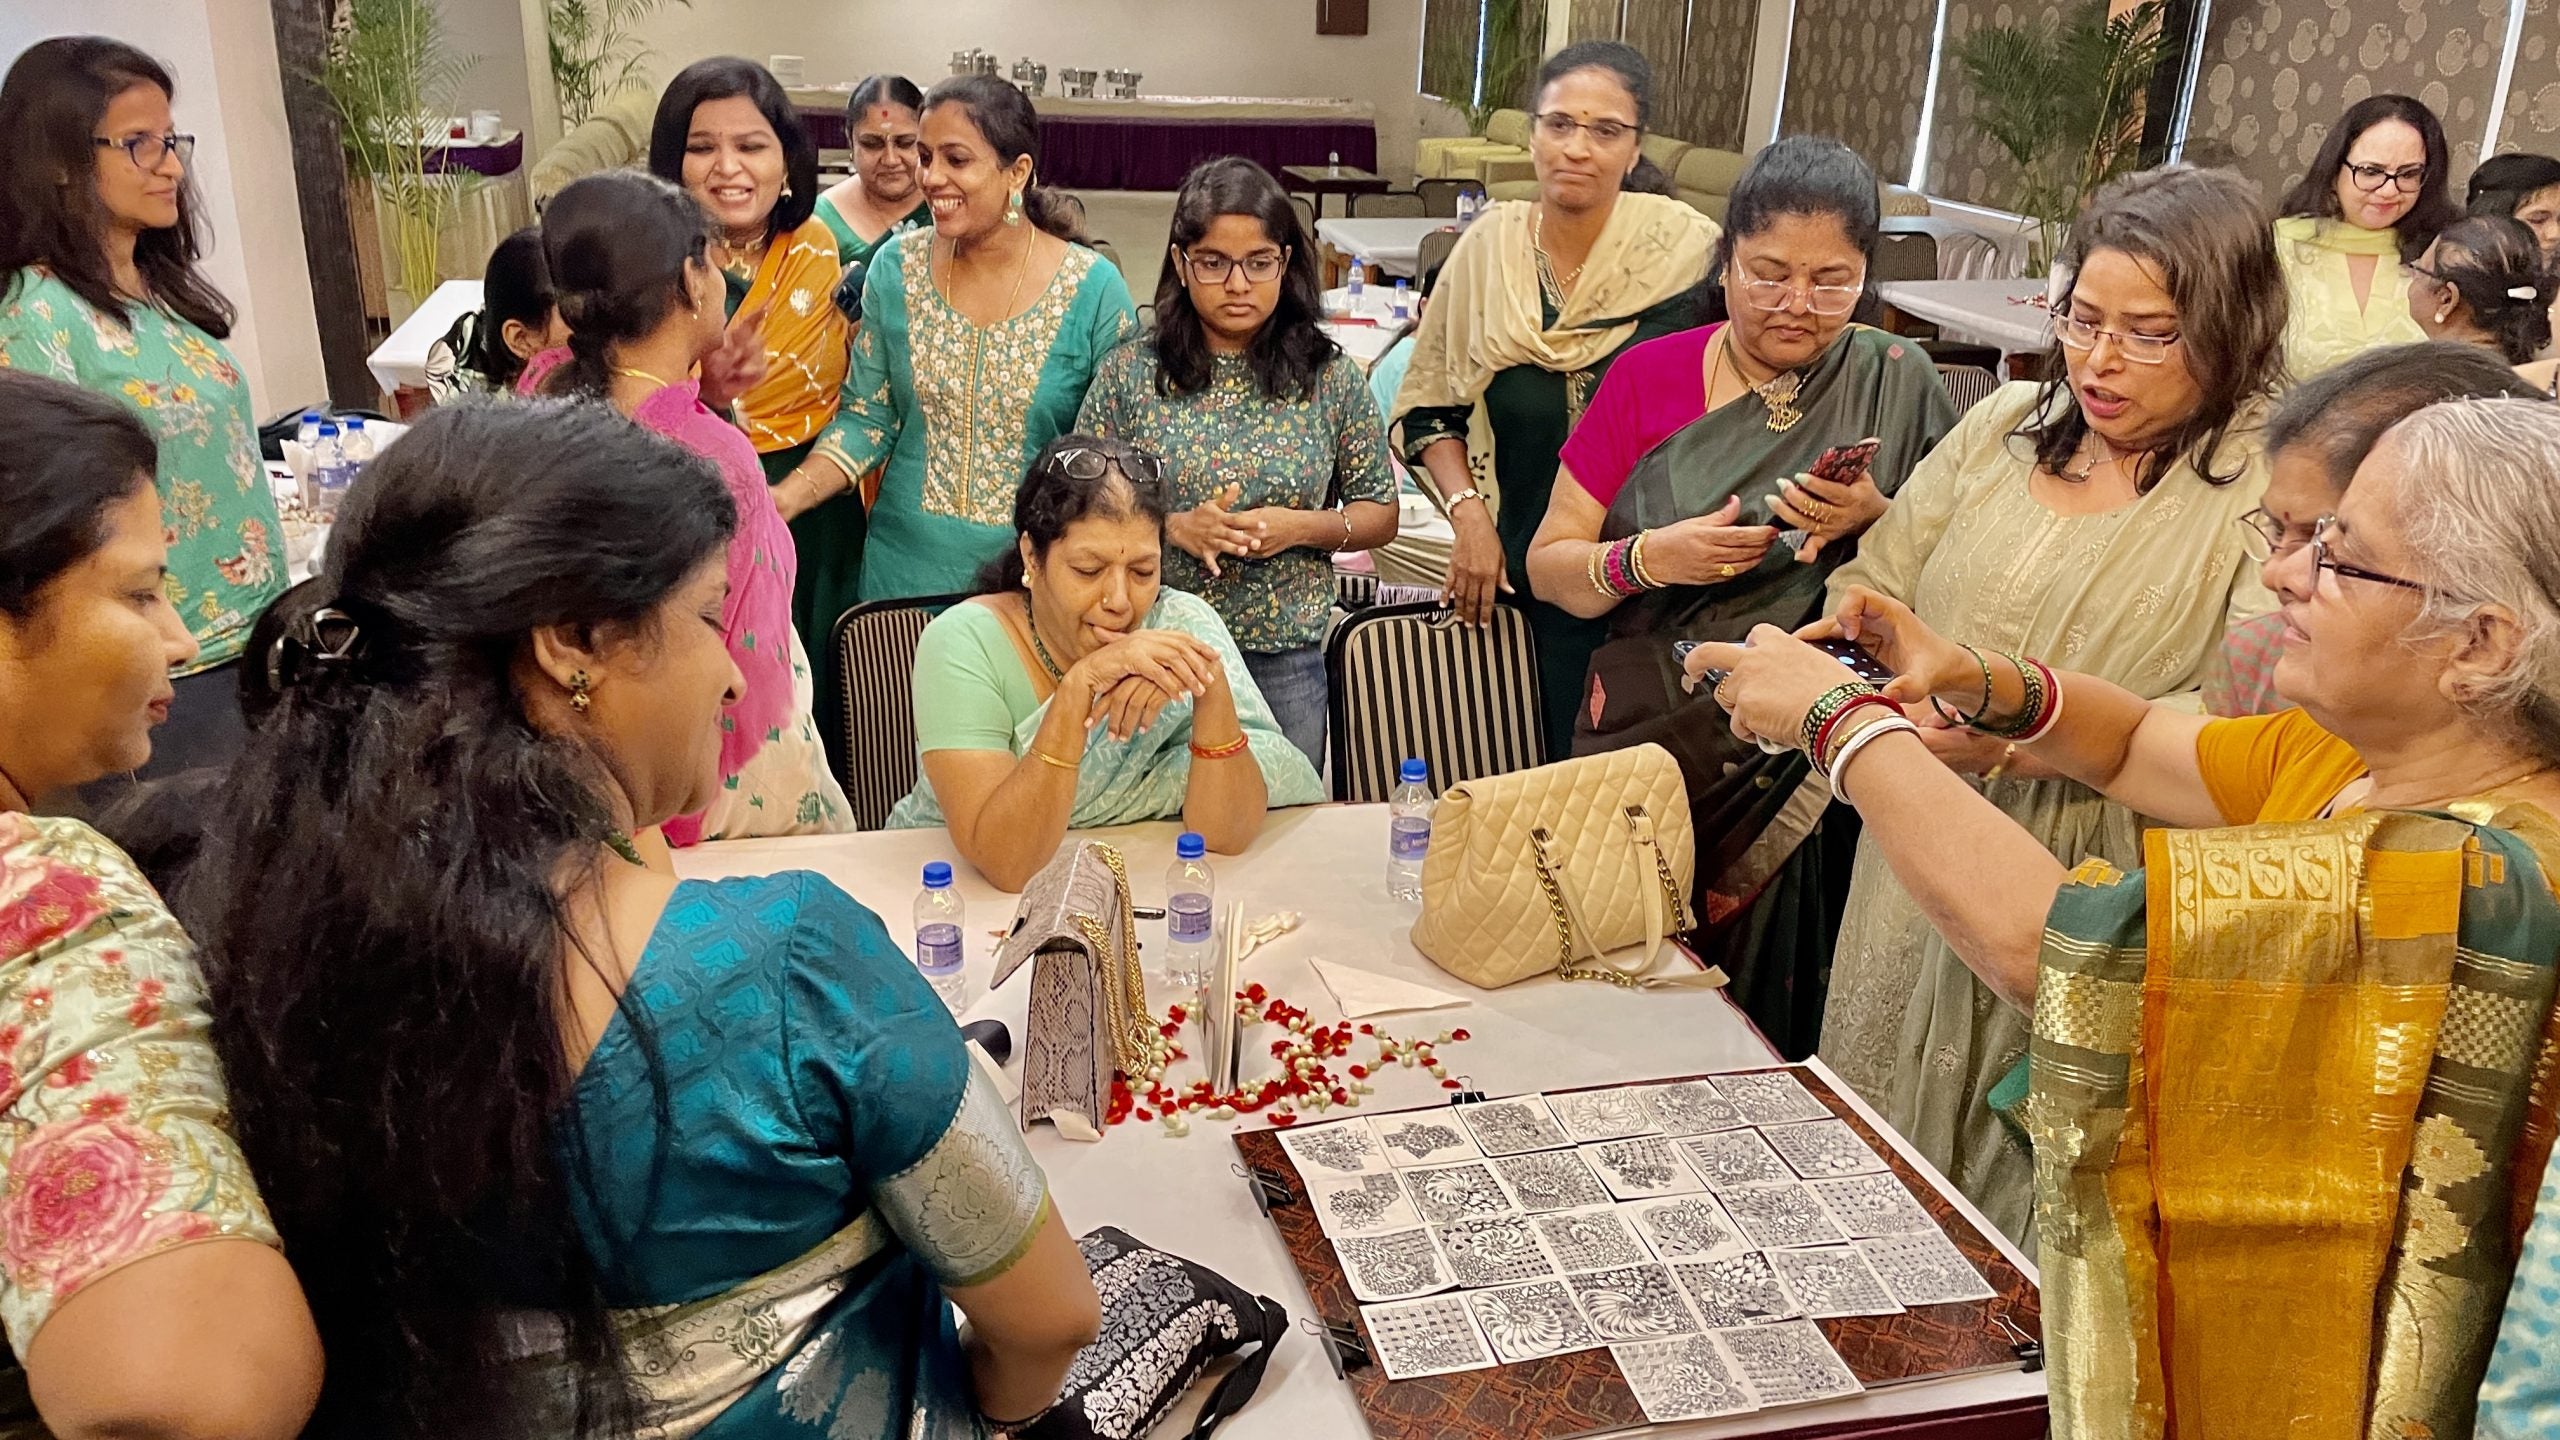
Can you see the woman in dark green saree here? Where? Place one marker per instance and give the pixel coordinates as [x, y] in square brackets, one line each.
[1698, 445]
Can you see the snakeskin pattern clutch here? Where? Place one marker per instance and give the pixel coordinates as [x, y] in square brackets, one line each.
[1088, 996]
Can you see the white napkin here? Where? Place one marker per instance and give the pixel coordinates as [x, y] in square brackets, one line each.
[1362, 994]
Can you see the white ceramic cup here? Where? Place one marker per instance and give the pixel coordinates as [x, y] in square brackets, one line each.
[484, 126]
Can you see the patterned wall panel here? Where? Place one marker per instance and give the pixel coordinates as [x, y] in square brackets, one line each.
[1964, 162]
[1596, 20]
[1716, 73]
[2532, 120]
[1449, 38]
[2277, 73]
[1659, 29]
[1857, 71]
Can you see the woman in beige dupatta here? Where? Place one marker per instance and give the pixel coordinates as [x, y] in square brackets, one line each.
[1537, 301]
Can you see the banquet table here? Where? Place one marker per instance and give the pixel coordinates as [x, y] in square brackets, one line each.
[1364, 330]
[1151, 142]
[400, 361]
[2007, 313]
[1183, 1193]
[1389, 244]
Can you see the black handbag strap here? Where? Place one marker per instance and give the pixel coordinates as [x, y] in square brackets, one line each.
[1241, 1383]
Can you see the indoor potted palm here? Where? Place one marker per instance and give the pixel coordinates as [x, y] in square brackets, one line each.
[595, 50]
[392, 81]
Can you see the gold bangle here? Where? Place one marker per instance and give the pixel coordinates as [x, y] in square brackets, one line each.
[1345, 513]
[1046, 758]
[2006, 756]
[1635, 562]
[1591, 571]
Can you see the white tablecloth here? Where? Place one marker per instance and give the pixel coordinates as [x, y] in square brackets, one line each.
[1182, 1194]
[1393, 244]
[1372, 326]
[401, 358]
[2005, 313]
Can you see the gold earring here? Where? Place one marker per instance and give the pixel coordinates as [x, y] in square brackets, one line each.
[1013, 208]
[579, 691]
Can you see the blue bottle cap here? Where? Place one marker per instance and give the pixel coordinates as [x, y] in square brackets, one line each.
[355, 422]
[1190, 846]
[328, 427]
[1414, 772]
[937, 875]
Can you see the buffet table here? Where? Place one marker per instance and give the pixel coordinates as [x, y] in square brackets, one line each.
[1152, 142]
[1183, 1193]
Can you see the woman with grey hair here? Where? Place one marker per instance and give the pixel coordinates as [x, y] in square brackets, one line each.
[2295, 1070]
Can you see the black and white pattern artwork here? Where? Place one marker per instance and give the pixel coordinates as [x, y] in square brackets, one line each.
[1551, 1180]
[1686, 1378]
[1739, 1289]
[1457, 1192]
[1633, 1302]
[1775, 1217]
[1867, 1206]
[1591, 1239]
[1833, 1280]
[1429, 1137]
[1731, 1159]
[1525, 1322]
[1435, 1335]
[1361, 1204]
[1690, 1107]
[1924, 1269]
[1613, 1114]
[1788, 1364]
[1770, 1097]
[1345, 1148]
[1496, 1250]
[1642, 1168]
[1686, 1227]
[1395, 1266]
[1823, 1149]
[1514, 1126]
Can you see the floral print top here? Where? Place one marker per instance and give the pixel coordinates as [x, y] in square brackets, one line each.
[225, 564]
[1305, 454]
[114, 1125]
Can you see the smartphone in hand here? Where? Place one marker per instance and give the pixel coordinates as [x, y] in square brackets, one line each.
[1861, 664]
[1841, 465]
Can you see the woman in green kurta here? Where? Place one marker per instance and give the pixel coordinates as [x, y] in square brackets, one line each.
[104, 293]
[1536, 302]
[977, 341]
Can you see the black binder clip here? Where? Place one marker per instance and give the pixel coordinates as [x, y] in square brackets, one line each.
[1344, 1349]
[1271, 1190]
[2026, 1347]
[1468, 1096]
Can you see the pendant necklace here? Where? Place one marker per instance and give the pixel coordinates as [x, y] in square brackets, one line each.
[1778, 393]
[1031, 627]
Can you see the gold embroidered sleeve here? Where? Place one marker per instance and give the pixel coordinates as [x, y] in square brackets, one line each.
[970, 1207]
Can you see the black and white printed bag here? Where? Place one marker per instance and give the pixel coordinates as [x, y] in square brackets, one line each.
[1163, 1320]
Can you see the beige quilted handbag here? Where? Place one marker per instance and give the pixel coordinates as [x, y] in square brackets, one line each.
[1542, 870]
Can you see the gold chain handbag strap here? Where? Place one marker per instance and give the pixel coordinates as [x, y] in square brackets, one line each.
[1674, 904]
[1124, 980]
[1539, 839]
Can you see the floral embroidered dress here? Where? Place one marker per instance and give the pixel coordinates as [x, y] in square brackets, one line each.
[225, 563]
[951, 412]
[831, 1161]
[114, 1124]
[1307, 454]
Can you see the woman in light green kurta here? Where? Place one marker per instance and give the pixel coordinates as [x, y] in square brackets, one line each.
[2374, 196]
[2094, 524]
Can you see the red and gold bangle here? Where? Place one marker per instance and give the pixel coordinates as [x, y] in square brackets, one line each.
[1237, 746]
[1831, 728]
[2052, 705]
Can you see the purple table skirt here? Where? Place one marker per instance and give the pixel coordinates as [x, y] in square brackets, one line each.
[1126, 153]
[477, 159]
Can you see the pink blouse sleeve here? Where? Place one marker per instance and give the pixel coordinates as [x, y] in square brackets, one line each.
[1653, 390]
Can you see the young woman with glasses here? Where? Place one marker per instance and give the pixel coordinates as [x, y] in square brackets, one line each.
[2092, 520]
[1076, 689]
[2373, 197]
[1664, 523]
[99, 286]
[1274, 457]
[1537, 301]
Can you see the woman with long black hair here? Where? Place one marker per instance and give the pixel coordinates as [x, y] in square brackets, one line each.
[2374, 196]
[1273, 455]
[509, 1090]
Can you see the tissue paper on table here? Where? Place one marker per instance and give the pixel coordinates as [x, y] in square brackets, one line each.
[1361, 994]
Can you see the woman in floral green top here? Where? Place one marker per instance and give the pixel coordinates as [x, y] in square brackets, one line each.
[1274, 457]
[107, 296]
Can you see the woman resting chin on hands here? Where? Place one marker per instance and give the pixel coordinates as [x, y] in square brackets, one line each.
[1076, 691]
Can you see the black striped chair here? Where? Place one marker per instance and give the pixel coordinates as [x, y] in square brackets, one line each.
[1967, 385]
[875, 648]
[1409, 680]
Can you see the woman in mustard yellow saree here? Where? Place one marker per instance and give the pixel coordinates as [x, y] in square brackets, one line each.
[2290, 1086]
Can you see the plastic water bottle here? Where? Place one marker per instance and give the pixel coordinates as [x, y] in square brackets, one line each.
[331, 471]
[1400, 308]
[1190, 914]
[1333, 161]
[307, 435]
[1356, 283]
[353, 440]
[1409, 830]
[942, 918]
[1470, 204]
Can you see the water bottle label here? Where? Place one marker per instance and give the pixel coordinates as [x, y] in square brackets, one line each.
[1408, 838]
[938, 949]
[1187, 918]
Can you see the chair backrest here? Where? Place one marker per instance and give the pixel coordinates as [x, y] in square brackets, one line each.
[1399, 204]
[1967, 385]
[875, 648]
[1508, 127]
[1440, 195]
[1410, 681]
[1433, 254]
[1107, 251]
[1904, 255]
[1306, 209]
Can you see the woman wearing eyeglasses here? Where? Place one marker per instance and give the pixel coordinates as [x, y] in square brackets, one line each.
[1274, 459]
[2373, 197]
[1664, 524]
[1076, 689]
[99, 287]
[1534, 305]
[2092, 520]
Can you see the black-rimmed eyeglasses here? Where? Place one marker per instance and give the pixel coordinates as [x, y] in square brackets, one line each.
[1088, 462]
[1211, 268]
[147, 151]
[2371, 178]
[2321, 559]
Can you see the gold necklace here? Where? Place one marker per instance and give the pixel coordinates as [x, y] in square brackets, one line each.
[658, 380]
[1012, 297]
[1563, 285]
[2108, 456]
[1778, 393]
